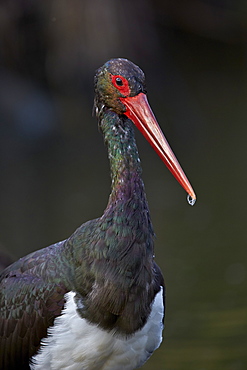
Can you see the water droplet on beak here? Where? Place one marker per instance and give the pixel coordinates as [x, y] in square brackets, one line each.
[191, 200]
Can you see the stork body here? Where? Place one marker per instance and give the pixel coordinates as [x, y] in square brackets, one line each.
[96, 299]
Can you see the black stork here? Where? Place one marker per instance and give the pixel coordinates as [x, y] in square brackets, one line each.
[96, 299]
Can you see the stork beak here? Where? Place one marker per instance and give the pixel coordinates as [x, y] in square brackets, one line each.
[139, 111]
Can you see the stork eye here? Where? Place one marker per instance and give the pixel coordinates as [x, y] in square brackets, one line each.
[119, 81]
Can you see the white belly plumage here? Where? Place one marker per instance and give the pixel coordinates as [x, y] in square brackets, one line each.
[74, 344]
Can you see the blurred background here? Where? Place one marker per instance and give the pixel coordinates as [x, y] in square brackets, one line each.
[54, 172]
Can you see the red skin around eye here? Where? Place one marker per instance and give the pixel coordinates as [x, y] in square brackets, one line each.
[124, 89]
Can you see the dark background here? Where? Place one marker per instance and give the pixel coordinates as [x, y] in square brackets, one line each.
[54, 172]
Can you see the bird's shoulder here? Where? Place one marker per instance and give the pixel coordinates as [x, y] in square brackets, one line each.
[29, 303]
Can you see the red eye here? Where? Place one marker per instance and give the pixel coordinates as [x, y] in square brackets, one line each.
[121, 84]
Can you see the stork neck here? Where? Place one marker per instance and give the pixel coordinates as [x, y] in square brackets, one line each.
[115, 259]
[124, 158]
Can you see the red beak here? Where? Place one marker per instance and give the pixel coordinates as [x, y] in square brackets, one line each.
[139, 111]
